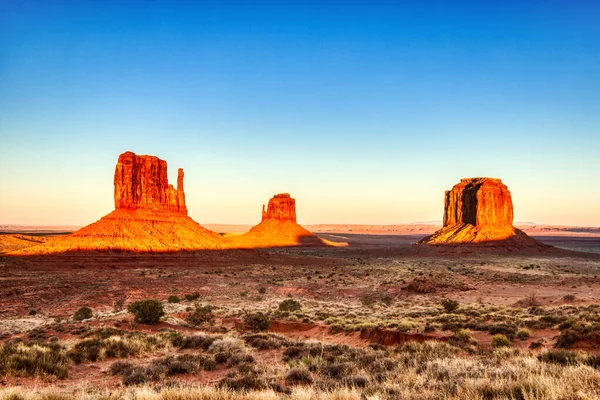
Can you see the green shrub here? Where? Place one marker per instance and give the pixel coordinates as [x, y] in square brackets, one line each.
[146, 311]
[32, 312]
[523, 334]
[507, 330]
[289, 305]
[201, 315]
[593, 360]
[560, 357]
[566, 339]
[257, 321]
[500, 340]
[449, 305]
[83, 313]
[173, 299]
[368, 299]
[192, 296]
[462, 336]
[298, 376]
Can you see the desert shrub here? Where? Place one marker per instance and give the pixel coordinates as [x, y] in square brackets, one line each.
[355, 381]
[192, 296]
[593, 360]
[161, 368]
[462, 336]
[266, 341]
[336, 370]
[368, 299]
[222, 357]
[243, 382]
[197, 342]
[262, 290]
[201, 315]
[37, 334]
[121, 368]
[387, 300]
[32, 312]
[142, 375]
[500, 340]
[507, 330]
[184, 364]
[531, 300]
[566, 339]
[173, 337]
[560, 357]
[523, 334]
[146, 311]
[290, 305]
[565, 325]
[449, 305]
[83, 313]
[551, 320]
[239, 358]
[173, 299]
[569, 297]
[298, 376]
[33, 360]
[256, 321]
[86, 350]
[421, 285]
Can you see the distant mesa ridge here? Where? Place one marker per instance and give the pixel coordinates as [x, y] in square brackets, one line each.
[479, 210]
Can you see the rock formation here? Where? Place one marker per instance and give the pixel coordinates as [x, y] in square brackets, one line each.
[141, 183]
[150, 216]
[482, 202]
[281, 207]
[278, 227]
[479, 210]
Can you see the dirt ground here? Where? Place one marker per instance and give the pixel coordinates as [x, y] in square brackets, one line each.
[332, 281]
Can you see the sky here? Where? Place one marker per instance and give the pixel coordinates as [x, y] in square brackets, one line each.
[365, 112]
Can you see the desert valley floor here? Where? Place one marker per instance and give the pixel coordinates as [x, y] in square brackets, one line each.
[381, 318]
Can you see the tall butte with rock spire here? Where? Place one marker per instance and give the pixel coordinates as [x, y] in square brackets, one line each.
[150, 215]
[480, 210]
[278, 227]
[141, 183]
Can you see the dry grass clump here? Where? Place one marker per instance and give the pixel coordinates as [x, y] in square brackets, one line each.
[114, 343]
[33, 360]
[162, 368]
[266, 341]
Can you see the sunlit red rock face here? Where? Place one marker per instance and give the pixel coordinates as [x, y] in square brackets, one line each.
[281, 207]
[149, 216]
[278, 227]
[141, 183]
[479, 210]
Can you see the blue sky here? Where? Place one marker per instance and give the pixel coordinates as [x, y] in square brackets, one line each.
[364, 111]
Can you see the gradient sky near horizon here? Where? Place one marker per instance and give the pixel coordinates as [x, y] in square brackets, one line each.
[364, 111]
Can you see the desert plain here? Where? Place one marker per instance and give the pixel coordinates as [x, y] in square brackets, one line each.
[367, 321]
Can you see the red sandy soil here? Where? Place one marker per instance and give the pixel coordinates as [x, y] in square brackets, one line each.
[56, 285]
